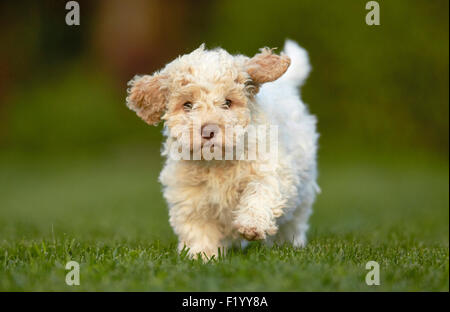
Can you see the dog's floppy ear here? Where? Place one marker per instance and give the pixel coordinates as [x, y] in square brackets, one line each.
[147, 97]
[266, 66]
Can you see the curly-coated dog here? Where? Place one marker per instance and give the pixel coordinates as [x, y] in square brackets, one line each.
[211, 102]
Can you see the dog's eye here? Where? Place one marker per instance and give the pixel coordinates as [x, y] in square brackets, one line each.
[187, 106]
[227, 104]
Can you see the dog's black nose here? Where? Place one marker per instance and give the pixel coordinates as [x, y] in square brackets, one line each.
[209, 130]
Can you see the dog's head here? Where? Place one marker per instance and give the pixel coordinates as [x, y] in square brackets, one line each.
[201, 94]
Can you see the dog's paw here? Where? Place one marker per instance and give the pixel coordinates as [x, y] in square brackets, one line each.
[201, 252]
[204, 255]
[299, 241]
[252, 232]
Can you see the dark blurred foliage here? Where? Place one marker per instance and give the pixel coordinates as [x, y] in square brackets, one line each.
[376, 87]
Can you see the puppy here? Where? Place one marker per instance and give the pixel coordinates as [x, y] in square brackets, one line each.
[213, 103]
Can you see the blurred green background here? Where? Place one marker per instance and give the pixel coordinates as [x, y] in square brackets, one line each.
[75, 161]
[381, 88]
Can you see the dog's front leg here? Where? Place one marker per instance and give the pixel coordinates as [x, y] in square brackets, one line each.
[260, 204]
[202, 237]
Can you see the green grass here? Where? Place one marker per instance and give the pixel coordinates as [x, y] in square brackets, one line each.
[106, 212]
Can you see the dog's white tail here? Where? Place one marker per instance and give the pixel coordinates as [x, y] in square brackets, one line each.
[299, 69]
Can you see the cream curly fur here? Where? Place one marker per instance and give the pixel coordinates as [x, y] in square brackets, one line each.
[215, 202]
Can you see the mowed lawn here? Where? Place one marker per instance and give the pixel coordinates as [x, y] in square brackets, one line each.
[106, 212]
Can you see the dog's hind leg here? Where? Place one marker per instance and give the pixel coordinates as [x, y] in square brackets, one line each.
[293, 231]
